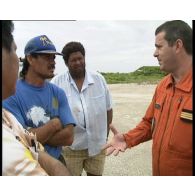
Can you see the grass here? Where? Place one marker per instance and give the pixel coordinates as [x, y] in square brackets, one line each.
[145, 74]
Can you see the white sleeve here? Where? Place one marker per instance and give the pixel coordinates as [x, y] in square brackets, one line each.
[108, 95]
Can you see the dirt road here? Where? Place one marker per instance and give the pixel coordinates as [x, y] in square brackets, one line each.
[130, 102]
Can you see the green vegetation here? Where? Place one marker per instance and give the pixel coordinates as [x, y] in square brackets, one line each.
[145, 74]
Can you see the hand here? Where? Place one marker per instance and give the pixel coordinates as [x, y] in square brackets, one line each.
[56, 124]
[117, 143]
[46, 131]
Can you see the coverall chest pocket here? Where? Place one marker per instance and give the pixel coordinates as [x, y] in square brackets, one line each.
[181, 136]
[158, 108]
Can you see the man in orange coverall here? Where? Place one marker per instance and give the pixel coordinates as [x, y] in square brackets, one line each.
[168, 119]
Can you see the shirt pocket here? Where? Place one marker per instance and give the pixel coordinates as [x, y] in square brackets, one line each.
[98, 104]
[158, 108]
[181, 135]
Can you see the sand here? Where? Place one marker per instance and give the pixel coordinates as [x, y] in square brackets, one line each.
[130, 102]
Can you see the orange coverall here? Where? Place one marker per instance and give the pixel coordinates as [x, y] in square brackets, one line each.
[168, 121]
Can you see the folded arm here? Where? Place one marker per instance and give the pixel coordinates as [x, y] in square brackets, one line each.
[64, 137]
[45, 132]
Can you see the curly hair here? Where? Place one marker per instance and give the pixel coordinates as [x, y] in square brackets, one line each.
[72, 47]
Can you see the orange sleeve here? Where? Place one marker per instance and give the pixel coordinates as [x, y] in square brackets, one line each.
[142, 132]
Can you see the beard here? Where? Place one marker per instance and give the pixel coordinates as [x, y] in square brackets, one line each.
[77, 73]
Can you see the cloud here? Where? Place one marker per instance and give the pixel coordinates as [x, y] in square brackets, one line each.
[111, 46]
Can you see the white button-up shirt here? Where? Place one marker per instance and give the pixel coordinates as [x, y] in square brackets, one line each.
[89, 108]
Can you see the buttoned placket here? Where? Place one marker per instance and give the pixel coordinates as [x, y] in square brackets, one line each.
[83, 103]
[84, 106]
[82, 100]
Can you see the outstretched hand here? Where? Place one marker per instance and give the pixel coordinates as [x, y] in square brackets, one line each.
[117, 143]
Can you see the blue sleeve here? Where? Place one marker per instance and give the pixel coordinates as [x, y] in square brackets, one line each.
[12, 106]
[65, 113]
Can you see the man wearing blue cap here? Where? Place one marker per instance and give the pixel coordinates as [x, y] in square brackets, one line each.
[40, 106]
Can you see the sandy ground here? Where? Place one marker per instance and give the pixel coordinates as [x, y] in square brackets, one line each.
[130, 102]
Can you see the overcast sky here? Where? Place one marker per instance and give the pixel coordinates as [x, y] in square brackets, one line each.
[111, 46]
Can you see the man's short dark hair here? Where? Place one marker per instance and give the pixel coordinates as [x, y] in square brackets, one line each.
[177, 29]
[72, 47]
[7, 37]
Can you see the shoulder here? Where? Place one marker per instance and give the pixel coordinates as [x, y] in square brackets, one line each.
[54, 86]
[56, 90]
[96, 75]
[22, 86]
[59, 78]
[8, 116]
[19, 83]
[10, 101]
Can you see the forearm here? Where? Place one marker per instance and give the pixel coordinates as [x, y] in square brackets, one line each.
[141, 133]
[64, 137]
[109, 120]
[45, 132]
[52, 166]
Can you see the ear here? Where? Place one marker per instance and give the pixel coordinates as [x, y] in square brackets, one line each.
[30, 59]
[178, 45]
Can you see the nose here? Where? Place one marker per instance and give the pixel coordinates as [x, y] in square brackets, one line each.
[52, 60]
[155, 53]
[77, 62]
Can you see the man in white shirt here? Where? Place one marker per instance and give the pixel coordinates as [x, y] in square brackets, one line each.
[90, 103]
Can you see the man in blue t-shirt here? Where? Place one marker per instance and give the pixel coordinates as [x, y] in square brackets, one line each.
[39, 105]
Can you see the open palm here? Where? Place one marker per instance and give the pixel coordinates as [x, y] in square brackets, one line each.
[117, 144]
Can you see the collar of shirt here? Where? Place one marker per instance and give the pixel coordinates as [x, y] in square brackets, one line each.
[88, 81]
[185, 84]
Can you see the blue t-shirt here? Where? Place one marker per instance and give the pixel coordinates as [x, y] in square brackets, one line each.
[34, 106]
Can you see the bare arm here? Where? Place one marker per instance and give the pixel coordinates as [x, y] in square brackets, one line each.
[52, 166]
[64, 137]
[45, 132]
[109, 120]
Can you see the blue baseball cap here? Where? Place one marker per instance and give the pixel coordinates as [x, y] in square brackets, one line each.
[40, 44]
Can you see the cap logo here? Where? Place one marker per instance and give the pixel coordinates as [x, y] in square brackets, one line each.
[45, 41]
